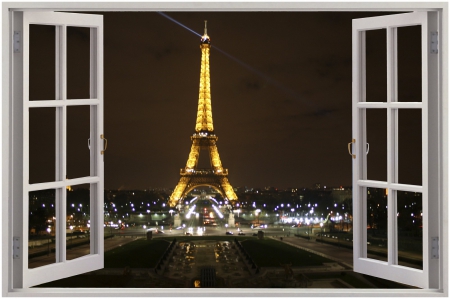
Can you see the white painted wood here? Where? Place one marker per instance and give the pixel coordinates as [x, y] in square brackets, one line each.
[64, 183]
[396, 20]
[15, 150]
[393, 105]
[12, 142]
[397, 273]
[358, 84]
[72, 267]
[425, 143]
[390, 269]
[64, 19]
[435, 117]
[93, 261]
[51, 103]
[391, 92]
[386, 185]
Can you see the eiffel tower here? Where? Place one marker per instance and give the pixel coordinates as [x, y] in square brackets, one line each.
[203, 139]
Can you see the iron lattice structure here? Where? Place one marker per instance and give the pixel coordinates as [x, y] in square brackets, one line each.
[203, 139]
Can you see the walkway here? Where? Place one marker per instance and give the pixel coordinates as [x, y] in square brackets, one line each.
[75, 252]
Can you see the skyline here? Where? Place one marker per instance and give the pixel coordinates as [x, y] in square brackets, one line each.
[284, 124]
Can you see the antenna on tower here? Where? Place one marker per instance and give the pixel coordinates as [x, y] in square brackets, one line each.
[205, 26]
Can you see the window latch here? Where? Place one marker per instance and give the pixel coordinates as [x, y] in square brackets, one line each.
[350, 150]
[105, 144]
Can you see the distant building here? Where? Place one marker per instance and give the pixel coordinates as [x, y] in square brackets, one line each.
[340, 194]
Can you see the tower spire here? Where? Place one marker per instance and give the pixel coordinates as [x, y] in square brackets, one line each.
[205, 27]
[204, 121]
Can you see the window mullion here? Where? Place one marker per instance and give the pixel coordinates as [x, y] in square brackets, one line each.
[61, 140]
[391, 47]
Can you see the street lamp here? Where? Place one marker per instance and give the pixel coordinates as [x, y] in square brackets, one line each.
[321, 230]
[144, 227]
[48, 243]
[71, 233]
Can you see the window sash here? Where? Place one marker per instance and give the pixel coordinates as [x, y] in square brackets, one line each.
[390, 269]
[25, 277]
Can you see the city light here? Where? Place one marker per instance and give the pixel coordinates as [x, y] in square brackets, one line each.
[188, 215]
[217, 211]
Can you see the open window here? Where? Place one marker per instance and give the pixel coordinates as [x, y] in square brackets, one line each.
[384, 103]
[53, 182]
[22, 128]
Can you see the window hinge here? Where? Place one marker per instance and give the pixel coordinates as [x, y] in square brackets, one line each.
[16, 247]
[434, 43]
[16, 41]
[435, 248]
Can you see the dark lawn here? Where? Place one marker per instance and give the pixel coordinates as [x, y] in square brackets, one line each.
[137, 254]
[271, 253]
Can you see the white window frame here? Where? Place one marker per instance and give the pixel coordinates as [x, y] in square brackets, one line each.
[8, 177]
[428, 107]
[62, 267]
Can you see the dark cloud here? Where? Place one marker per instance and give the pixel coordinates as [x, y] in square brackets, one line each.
[323, 112]
[161, 51]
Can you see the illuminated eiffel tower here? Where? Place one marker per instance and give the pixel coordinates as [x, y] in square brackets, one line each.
[203, 138]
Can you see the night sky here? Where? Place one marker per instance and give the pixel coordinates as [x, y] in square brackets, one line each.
[282, 115]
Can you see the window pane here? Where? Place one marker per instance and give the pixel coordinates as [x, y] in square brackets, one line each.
[377, 224]
[78, 62]
[409, 220]
[78, 221]
[42, 62]
[78, 132]
[376, 66]
[42, 145]
[409, 65]
[410, 146]
[376, 130]
[41, 228]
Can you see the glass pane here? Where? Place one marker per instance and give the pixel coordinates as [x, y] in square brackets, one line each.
[376, 130]
[42, 145]
[376, 66]
[78, 221]
[78, 132]
[377, 224]
[409, 65]
[409, 220]
[41, 228]
[42, 62]
[410, 146]
[78, 62]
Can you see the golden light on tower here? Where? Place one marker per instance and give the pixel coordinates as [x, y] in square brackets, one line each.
[204, 112]
[203, 138]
